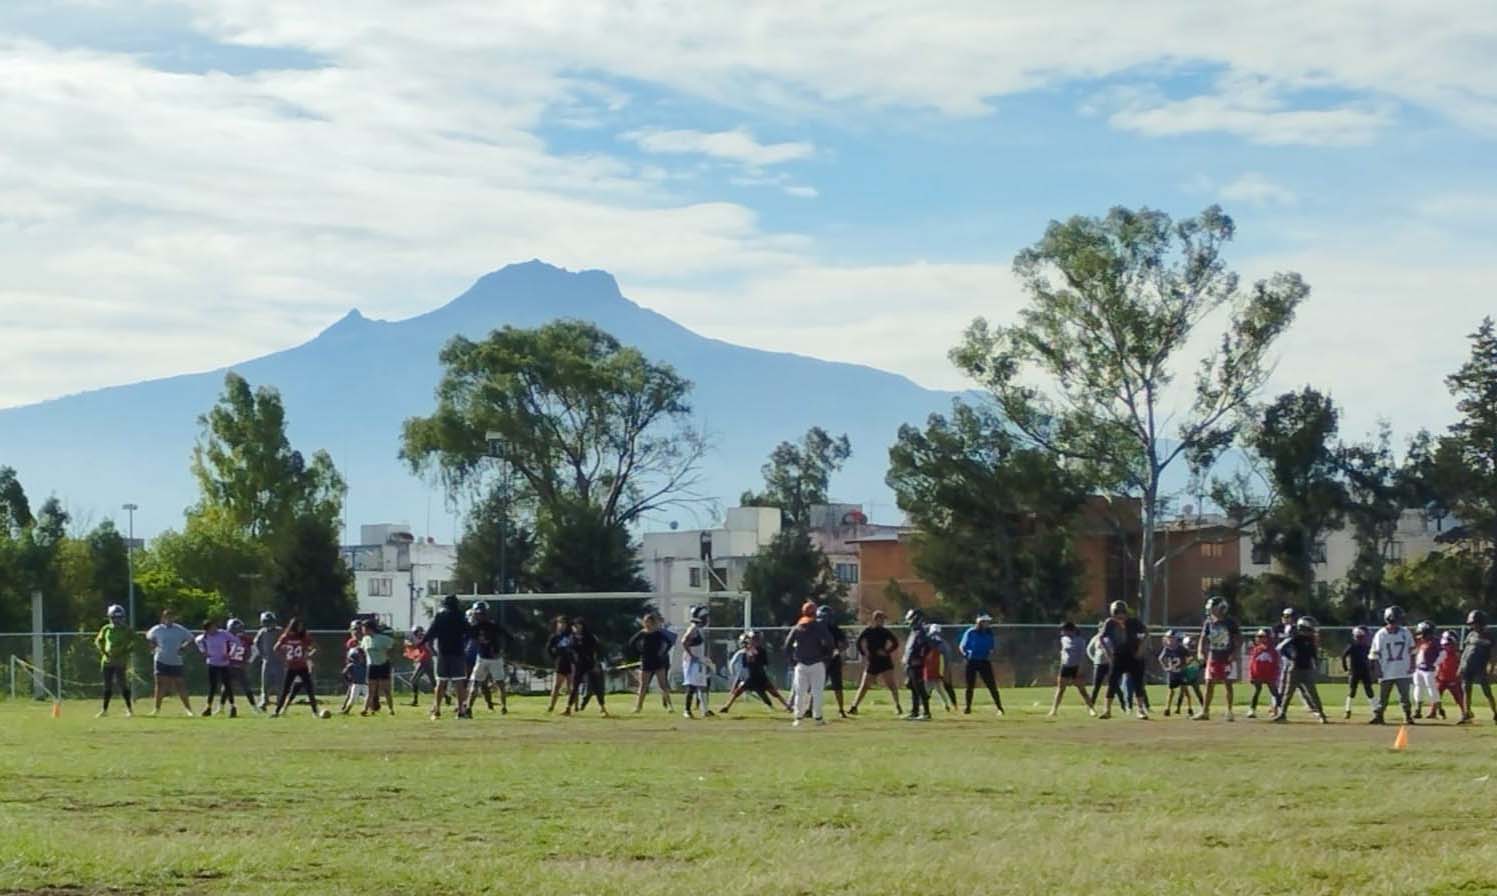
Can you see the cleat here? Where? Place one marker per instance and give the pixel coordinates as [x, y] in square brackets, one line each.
[233, 711]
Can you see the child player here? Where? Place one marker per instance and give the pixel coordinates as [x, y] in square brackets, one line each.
[1221, 639]
[1393, 651]
[1172, 661]
[239, 660]
[1264, 671]
[1475, 657]
[115, 641]
[1448, 673]
[1071, 653]
[1426, 652]
[1357, 665]
[1301, 653]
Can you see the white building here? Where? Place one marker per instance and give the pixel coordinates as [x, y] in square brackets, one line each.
[674, 565]
[393, 571]
[1413, 540]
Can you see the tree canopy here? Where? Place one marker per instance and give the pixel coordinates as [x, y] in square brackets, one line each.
[797, 476]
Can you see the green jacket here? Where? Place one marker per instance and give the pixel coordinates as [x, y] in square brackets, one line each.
[115, 643]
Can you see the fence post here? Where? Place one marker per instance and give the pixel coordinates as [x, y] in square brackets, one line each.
[38, 653]
[58, 658]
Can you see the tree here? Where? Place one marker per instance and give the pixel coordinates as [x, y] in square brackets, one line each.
[247, 470]
[1298, 441]
[478, 563]
[993, 516]
[582, 420]
[1438, 585]
[786, 573]
[308, 577]
[797, 476]
[1464, 468]
[15, 510]
[1377, 492]
[1114, 303]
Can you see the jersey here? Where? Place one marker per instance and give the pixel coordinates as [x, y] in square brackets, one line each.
[239, 651]
[1172, 659]
[1263, 663]
[1393, 649]
[1220, 637]
[1448, 666]
[296, 651]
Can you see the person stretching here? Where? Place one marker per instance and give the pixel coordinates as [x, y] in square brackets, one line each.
[915, 650]
[877, 646]
[977, 646]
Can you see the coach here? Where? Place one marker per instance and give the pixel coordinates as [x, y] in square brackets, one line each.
[447, 638]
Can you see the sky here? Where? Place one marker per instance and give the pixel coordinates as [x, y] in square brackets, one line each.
[189, 183]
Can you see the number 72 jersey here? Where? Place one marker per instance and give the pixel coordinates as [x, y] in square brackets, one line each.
[1394, 652]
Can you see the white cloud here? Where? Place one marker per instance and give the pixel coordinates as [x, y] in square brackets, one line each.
[1257, 189]
[1256, 109]
[737, 145]
[801, 191]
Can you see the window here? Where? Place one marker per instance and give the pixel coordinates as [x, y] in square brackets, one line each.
[695, 580]
[380, 587]
[440, 586]
[1260, 554]
[1394, 552]
[846, 573]
[1212, 549]
[1209, 584]
[1317, 553]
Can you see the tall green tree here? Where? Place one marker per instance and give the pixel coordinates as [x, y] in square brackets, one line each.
[1115, 303]
[786, 573]
[994, 516]
[1377, 493]
[797, 476]
[478, 551]
[582, 420]
[1464, 468]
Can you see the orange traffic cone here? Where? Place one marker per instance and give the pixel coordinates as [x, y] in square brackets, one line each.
[1402, 740]
[56, 709]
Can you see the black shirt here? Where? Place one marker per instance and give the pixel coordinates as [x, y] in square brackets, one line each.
[839, 641]
[876, 641]
[1354, 658]
[486, 636]
[584, 650]
[447, 631]
[652, 648]
[1303, 652]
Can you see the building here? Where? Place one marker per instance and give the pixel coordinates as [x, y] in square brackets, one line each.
[1413, 539]
[393, 571]
[679, 562]
[1201, 552]
[838, 530]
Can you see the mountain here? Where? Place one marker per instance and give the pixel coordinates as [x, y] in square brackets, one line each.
[349, 389]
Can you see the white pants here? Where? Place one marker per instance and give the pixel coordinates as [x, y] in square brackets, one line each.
[810, 682]
[1424, 687]
[487, 670]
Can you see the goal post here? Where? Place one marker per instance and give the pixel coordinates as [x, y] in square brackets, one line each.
[671, 604]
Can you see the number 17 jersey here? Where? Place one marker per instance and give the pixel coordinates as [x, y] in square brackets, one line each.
[1394, 652]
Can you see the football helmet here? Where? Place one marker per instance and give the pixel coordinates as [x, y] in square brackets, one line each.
[1393, 615]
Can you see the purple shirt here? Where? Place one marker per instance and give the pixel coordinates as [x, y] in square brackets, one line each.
[216, 647]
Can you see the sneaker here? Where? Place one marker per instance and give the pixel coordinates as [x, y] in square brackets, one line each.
[1106, 714]
[1324, 720]
[153, 713]
[1466, 719]
[1201, 717]
[709, 714]
[1091, 711]
[208, 711]
[1409, 720]
[687, 715]
[192, 715]
[853, 711]
[102, 714]
[820, 721]
[967, 711]
[912, 717]
[1252, 714]
[1143, 715]
[1348, 714]
[999, 711]
[1279, 719]
[1229, 716]
[233, 711]
[1166, 712]
[925, 717]
[129, 713]
[796, 723]
[1376, 720]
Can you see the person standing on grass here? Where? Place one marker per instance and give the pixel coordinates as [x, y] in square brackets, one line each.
[1265, 670]
[1301, 654]
[115, 643]
[1172, 661]
[1357, 665]
[977, 646]
[587, 669]
[448, 636]
[935, 667]
[377, 645]
[877, 646]
[1071, 652]
[272, 670]
[216, 645]
[915, 649]
[653, 649]
[750, 673]
[1100, 651]
[296, 649]
[356, 678]
[1130, 638]
[1475, 657]
[486, 638]
[239, 655]
[694, 661]
[1448, 673]
[1393, 651]
[1426, 652]
[834, 662]
[809, 644]
[1221, 639]
[421, 666]
[168, 640]
[559, 648]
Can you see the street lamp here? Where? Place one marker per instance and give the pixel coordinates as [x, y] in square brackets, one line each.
[496, 450]
[130, 558]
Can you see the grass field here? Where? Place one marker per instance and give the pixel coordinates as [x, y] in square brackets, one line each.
[650, 804]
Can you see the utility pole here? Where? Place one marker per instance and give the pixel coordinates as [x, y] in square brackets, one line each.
[130, 559]
[496, 451]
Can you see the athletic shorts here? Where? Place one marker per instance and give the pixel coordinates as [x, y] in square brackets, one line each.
[756, 683]
[647, 671]
[488, 670]
[453, 667]
[166, 671]
[1176, 680]
[1218, 670]
[1473, 675]
[694, 673]
[380, 672]
[1070, 673]
[834, 674]
[878, 665]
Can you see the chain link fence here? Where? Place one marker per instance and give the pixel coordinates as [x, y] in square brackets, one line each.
[66, 664]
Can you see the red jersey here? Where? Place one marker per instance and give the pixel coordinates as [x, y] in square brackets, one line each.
[933, 665]
[417, 653]
[295, 650]
[1448, 667]
[1263, 664]
[239, 651]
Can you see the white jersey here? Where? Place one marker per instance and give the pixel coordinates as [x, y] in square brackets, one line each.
[1393, 652]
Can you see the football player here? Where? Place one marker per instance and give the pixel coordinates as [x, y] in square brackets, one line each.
[1393, 651]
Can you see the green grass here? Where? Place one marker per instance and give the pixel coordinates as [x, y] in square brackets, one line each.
[532, 804]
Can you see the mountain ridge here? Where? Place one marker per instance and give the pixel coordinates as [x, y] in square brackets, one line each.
[348, 388]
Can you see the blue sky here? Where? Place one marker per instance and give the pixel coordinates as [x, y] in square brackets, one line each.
[187, 184]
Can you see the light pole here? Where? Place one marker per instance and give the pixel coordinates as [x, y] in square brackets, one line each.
[496, 450]
[130, 558]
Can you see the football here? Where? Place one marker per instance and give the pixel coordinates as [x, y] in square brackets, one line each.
[325, 714]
